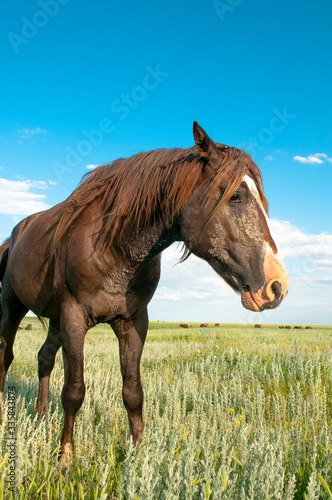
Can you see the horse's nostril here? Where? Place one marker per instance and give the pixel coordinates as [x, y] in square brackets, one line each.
[277, 289]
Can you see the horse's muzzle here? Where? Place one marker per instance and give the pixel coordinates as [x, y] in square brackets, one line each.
[269, 297]
[274, 289]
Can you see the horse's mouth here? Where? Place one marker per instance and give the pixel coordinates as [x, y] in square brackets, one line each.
[248, 301]
[268, 297]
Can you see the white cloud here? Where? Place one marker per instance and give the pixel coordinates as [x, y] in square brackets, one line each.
[295, 243]
[16, 197]
[324, 262]
[269, 158]
[311, 282]
[91, 166]
[164, 293]
[313, 159]
[320, 155]
[309, 159]
[27, 182]
[180, 294]
[26, 133]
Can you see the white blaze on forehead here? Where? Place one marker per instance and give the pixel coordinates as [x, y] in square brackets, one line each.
[254, 191]
[275, 266]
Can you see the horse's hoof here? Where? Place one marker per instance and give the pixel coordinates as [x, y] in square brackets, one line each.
[41, 412]
[65, 458]
[63, 467]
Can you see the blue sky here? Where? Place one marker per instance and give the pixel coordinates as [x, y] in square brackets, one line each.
[84, 83]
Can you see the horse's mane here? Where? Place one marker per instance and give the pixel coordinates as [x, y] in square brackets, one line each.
[133, 192]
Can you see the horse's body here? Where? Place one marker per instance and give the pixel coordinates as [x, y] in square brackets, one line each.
[96, 258]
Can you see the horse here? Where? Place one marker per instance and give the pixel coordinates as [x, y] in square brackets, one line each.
[95, 258]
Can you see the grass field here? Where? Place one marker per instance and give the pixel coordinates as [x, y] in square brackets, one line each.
[231, 412]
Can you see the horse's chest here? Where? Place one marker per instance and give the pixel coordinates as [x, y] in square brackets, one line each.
[112, 297]
[115, 286]
[116, 283]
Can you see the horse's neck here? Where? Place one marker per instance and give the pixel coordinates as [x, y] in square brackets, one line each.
[146, 243]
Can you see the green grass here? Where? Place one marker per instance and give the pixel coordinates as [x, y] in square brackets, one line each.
[231, 412]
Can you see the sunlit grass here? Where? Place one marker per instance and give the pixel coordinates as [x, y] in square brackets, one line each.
[231, 412]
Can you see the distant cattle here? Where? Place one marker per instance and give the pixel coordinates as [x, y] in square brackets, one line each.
[281, 326]
[184, 325]
[204, 325]
[288, 327]
[308, 327]
[298, 327]
[20, 328]
[216, 324]
[258, 326]
[29, 327]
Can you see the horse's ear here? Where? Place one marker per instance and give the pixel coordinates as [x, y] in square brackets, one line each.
[205, 145]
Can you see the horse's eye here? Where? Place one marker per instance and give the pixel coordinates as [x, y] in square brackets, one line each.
[235, 198]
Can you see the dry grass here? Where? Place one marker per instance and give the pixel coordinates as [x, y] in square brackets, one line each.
[231, 412]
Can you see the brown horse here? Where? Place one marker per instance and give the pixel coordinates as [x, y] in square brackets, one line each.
[96, 258]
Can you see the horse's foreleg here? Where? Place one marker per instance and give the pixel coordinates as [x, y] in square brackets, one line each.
[131, 335]
[73, 330]
[46, 359]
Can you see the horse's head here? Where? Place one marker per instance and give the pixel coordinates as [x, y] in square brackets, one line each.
[225, 222]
